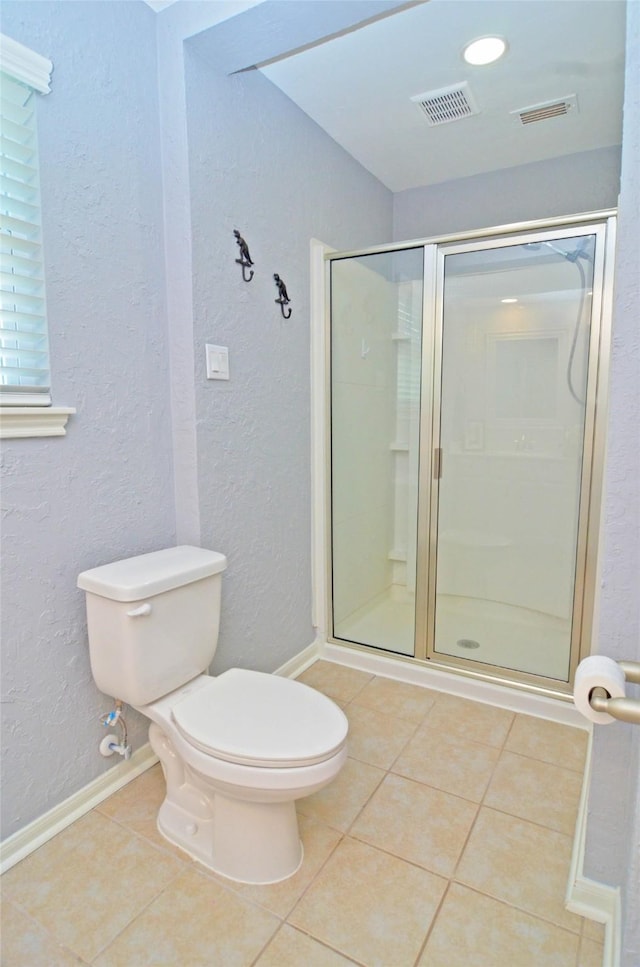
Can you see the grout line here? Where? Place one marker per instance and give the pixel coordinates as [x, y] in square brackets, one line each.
[530, 822]
[188, 861]
[513, 906]
[262, 949]
[480, 806]
[317, 873]
[546, 762]
[433, 923]
[364, 805]
[46, 931]
[138, 915]
[328, 946]
[409, 739]
[509, 731]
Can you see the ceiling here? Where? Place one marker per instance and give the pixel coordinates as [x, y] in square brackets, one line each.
[158, 5]
[358, 87]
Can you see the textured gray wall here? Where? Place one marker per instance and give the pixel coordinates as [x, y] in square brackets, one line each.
[613, 834]
[105, 144]
[105, 490]
[585, 182]
[261, 165]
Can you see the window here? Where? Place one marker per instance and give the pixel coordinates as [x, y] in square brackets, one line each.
[24, 351]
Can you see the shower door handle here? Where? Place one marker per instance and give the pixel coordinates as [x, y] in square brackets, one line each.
[437, 463]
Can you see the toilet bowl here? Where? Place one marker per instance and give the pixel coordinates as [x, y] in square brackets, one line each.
[238, 749]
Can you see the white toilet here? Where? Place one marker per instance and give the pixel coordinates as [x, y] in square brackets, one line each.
[237, 750]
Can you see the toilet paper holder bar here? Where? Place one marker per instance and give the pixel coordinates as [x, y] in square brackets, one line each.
[625, 709]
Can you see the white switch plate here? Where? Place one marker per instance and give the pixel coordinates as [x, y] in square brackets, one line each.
[217, 361]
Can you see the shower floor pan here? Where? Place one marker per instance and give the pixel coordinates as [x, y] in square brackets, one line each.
[506, 636]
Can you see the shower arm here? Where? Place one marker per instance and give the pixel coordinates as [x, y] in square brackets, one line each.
[624, 709]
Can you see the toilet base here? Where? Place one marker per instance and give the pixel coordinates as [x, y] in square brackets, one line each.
[243, 839]
[248, 842]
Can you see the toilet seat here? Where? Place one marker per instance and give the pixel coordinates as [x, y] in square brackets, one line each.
[253, 718]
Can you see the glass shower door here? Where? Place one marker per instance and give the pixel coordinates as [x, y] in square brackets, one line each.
[515, 344]
[376, 335]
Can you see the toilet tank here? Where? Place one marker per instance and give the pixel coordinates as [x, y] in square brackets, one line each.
[153, 621]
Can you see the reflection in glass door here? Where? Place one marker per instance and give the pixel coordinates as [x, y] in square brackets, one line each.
[512, 413]
[376, 332]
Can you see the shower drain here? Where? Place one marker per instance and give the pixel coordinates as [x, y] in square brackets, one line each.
[467, 643]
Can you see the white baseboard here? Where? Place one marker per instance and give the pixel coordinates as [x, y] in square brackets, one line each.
[296, 665]
[601, 903]
[25, 841]
[586, 897]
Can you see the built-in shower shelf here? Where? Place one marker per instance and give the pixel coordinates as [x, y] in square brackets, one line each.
[400, 337]
[397, 554]
[495, 454]
[399, 447]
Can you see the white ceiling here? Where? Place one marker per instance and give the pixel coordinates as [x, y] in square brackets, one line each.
[158, 5]
[358, 86]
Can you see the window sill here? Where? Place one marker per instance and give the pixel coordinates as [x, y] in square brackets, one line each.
[33, 421]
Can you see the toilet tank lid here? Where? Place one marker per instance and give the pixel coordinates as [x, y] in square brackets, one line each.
[148, 574]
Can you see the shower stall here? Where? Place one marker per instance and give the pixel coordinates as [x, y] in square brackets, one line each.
[466, 386]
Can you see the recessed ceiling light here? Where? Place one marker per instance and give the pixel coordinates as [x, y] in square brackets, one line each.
[506, 301]
[484, 50]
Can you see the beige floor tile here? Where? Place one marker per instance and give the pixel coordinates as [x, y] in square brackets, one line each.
[523, 864]
[339, 803]
[403, 701]
[26, 944]
[475, 931]
[458, 766]
[593, 930]
[87, 883]
[290, 948]
[138, 800]
[318, 841]
[549, 741]
[460, 718]
[534, 790]
[370, 906]
[136, 806]
[375, 737]
[337, 681]
[591, 953]
[194, 922]
[419, 824]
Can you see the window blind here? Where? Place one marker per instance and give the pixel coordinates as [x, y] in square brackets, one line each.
[24, 351]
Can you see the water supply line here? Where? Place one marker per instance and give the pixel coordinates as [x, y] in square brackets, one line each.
[109, 744]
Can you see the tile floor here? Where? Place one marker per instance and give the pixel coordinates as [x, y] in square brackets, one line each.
[445, 842]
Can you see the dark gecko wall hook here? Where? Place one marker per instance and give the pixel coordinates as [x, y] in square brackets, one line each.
[245, 259]
[283, 298]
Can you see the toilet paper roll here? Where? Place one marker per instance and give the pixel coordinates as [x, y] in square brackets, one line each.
[597, 671]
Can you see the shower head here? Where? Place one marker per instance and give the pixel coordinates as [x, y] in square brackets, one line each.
[579, 253]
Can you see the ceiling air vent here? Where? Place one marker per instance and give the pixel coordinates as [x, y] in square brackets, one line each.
[550, 109]
[446, 104]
